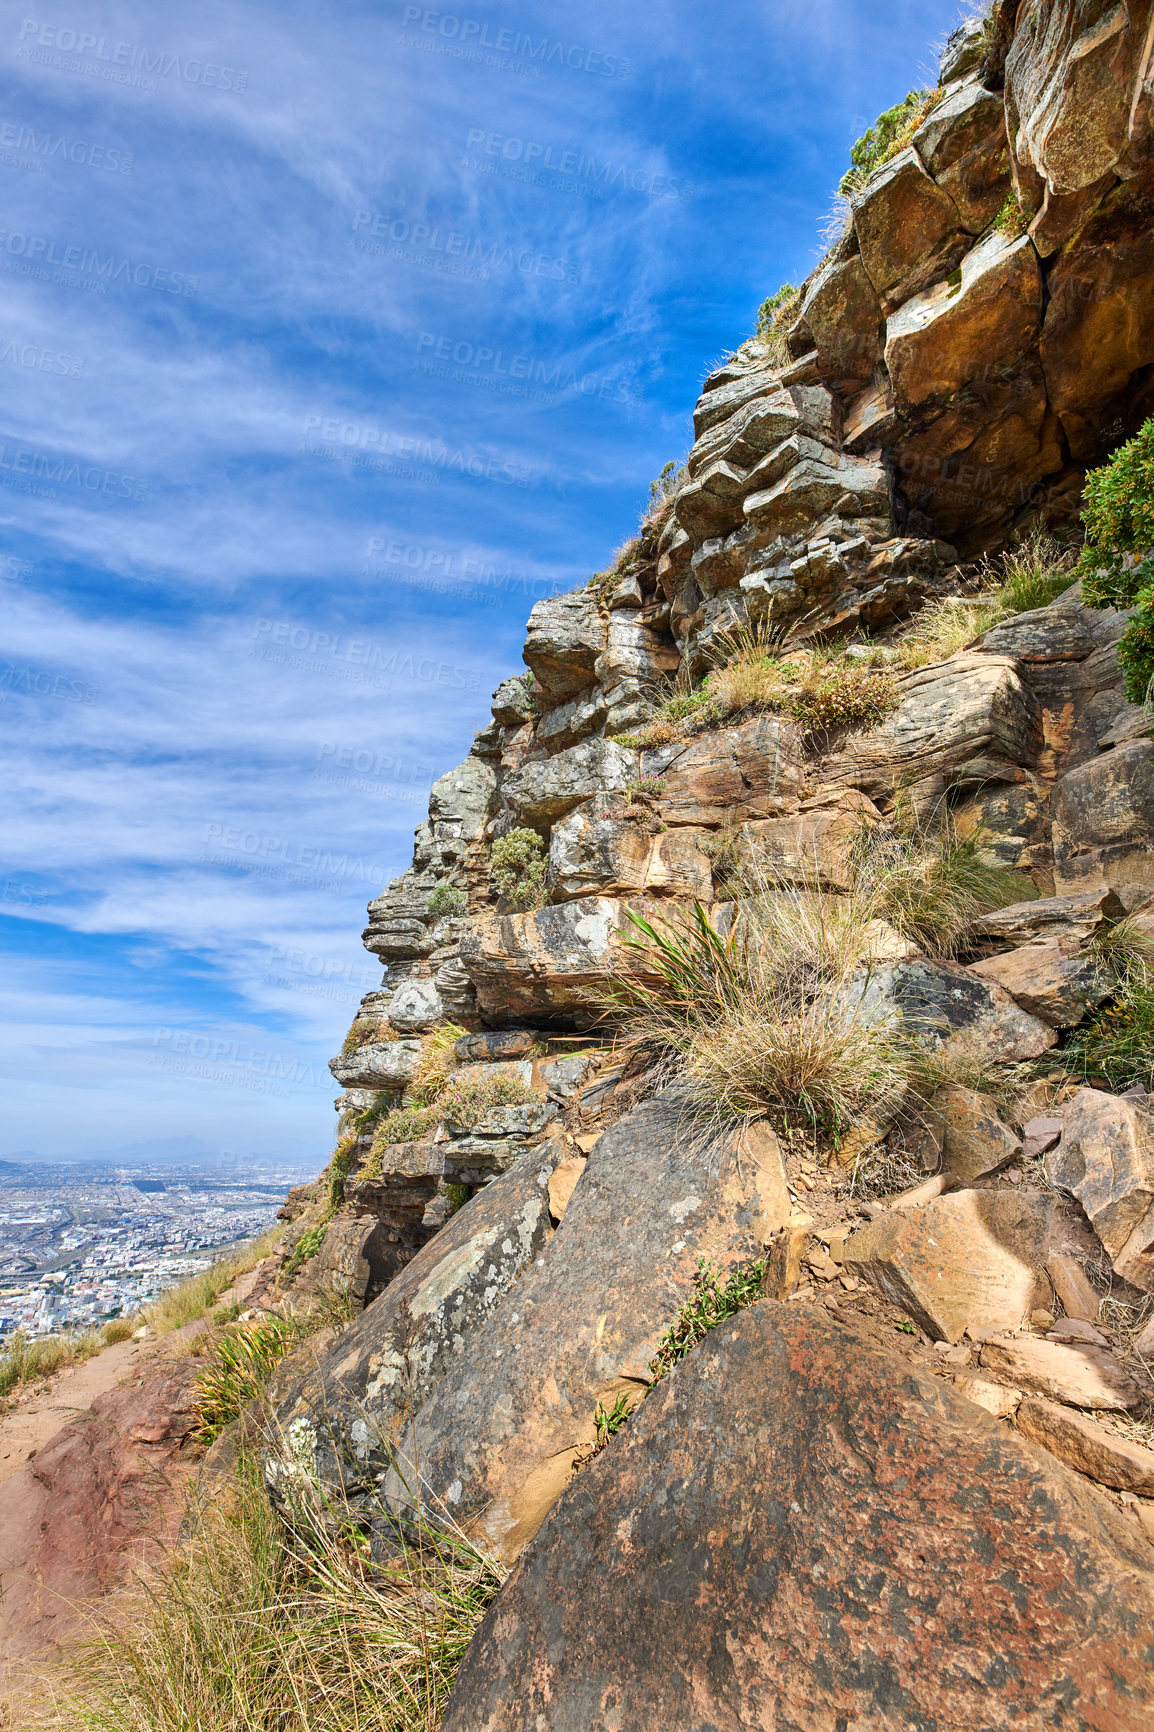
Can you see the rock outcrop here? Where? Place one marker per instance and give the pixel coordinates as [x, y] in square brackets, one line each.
[797, 1527]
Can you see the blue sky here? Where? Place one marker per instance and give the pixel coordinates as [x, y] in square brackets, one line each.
[324, 355]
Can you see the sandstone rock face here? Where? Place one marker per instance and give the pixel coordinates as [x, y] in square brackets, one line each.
[953, 1005]
[970, 1260]
[843, 312]
[565, 636]
[753, 771]
[386, 1363]
[542, 792]
[940, 341]
[1048, 981]
[708, 1569]
[815, 847]
[1081, 1376]
[1077, 919]
[536, 967]
[975, 1141]
[1104, 823]
[590, 856]
[907, 227]
[1106, 1160]
[1084, 1444]
[496, 1442]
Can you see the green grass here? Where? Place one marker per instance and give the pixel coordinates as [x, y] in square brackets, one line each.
[254, 1625]
[240, 1364]
[711, 1302]
[26, 1359]
[1118, 1042]
[889, 134]
[193, 1298]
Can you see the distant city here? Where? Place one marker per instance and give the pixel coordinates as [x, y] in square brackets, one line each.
[98, 1237]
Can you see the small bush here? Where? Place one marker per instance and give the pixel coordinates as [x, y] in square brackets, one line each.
[845, 697]
[518, 864]
[479, 1089]
[447, 900]
[672, 477]
[306, 1247]
[365, 1031]
[711, 1302]
[1117, 566]
[1118, 1043]
[1012, 220]
[930, 886]
[402, 1125]
[888, 135]
[436, 1064]
[774, 317]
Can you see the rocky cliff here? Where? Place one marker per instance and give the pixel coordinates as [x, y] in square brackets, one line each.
[914, 1485]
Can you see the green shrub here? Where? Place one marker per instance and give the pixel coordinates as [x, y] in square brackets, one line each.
[474, 1092]
[446, 899]
[889, 134]
[306, 1247]
[517, 866]
[845, 697]
[672, 476]
[1012, 220]
[402, 1125]
[1118, 564]
[710, 1303]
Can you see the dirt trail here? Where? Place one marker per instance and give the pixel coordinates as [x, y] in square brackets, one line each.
[32, 1419]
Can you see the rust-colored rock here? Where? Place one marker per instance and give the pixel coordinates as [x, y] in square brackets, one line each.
[799, 1530]
[909, 229]
[975, 1141]
[1054, 980]
[753, 771]
[1106, 1160]
[1104, 823]
[1084, 1444]
[970, 1260]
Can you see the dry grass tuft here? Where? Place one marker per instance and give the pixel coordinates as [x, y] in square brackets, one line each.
[193, 1298]
[255, 1625]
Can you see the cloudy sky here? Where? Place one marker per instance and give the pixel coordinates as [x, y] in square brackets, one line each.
[332, 336]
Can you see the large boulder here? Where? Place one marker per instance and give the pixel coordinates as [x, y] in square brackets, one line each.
[346, 1409]
[547, 964]
[969, 719]
[752, 771]
[952, 1006]
[1053, 980]
[843, 312]
[496, 1442]
[462, 798]
[543, 790]
[1106, 1160]
[565, 636]
[800, 1530]
[909, 230]
[1104, 823]
[968, 1260]
[592, 855]
[962, 143]
[388, 1064]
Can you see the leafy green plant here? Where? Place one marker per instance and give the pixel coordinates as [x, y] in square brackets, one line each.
[1117, 566]
[845, 697]
[306, 1246]
[458, 1196]
[607, 1421]
[479, 1089]
[447, 900]
[1011, 219]
[711, 1302]
[517, 866]
[240, 1364]
[889, 134]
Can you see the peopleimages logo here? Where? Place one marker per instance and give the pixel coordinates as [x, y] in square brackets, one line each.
[119, 60]
[517, 44]
[18, 137]
[538, 159]
[36, 254]
[466, 254]
[499, 370]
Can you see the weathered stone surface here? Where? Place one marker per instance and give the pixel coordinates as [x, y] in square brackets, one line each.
[387, 1064]
[1104, 823]
[909, 230]
[1051, 980]
[984, 317]
[1077, 918]
[513, 703]
[755, 428]
[563, 1182]
[969, 1260]
[1087, 1446]
[799, 1530]
[962, 143]
[1106, 1160]
[718, 403]
[495, 1444]
[949, 1003]
[463, 797]
[1078, 1297]
[996, 1398]
[415, 1006]
[975, 1141]
[815, 485]
[712, 502]
[1081, 1376]
[544, 964]
[1061, 632]
[591, 855]
[843, 312]
[572, 722]
[542, 791]
[753, 771]
[971, 717]
[388, 1360]
[495, 1046]
[1011, 824]
[813, 848]
[565, 636]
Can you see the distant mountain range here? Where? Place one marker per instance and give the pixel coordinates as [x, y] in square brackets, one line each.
[156, 1151]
